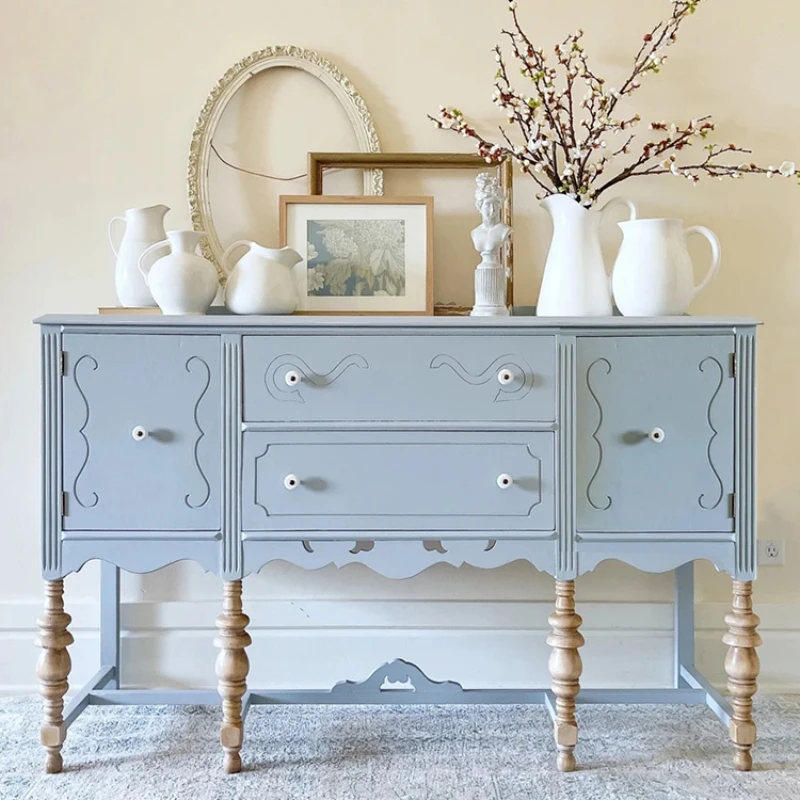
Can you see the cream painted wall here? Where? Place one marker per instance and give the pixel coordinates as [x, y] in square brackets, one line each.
[98, 103]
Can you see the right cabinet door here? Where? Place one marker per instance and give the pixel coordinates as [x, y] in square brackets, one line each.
[655, 433]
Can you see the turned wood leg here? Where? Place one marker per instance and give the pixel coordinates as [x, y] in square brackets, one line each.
[53, 670]
[742, 665]
[565, 670]
[232, 668]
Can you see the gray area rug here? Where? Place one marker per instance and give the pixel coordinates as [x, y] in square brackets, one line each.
[400, 753]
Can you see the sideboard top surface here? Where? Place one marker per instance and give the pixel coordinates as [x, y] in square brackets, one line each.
[228, 321]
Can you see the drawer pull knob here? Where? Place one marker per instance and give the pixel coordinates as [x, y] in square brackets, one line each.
[657, 435]
[291, 481]
[292, 377]
[505, 376]
[504, 481]
[139, 433]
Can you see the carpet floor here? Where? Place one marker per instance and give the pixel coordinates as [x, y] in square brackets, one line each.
[400, 753]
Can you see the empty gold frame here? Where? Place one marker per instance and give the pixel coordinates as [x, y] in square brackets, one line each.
[319, 162]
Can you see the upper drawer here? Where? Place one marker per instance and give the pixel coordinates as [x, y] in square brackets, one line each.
[399, 378]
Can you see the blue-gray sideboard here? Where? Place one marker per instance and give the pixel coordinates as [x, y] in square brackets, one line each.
[398, 443]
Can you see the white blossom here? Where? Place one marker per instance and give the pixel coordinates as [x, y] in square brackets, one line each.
[788, 169]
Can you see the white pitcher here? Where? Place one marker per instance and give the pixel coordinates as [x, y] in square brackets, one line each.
[143, 227]
[262, 281]
[575, 283]
[653, 275]
[182, 282]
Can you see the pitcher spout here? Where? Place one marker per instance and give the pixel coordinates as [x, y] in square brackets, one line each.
[560, 205]
[287, 256]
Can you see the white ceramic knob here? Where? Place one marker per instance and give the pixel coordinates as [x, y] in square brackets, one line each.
[505, 376]
[139, 433]
[504, 481]
[291, 481]
[292, 377]
[657, 435]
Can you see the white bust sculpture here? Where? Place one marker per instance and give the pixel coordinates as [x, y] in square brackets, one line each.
[489, 238]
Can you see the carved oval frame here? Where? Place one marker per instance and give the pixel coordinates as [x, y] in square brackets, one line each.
[226, 87]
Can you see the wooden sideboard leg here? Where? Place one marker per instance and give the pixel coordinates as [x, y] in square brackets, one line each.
[232, 668]
[53, 671]
[742, 666]
[565, 670]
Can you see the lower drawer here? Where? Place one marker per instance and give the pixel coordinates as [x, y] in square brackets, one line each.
[397, 481]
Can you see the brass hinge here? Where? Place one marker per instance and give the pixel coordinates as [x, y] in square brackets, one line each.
[63, 363]
[63, 504]
[734, 365]
[733, 505]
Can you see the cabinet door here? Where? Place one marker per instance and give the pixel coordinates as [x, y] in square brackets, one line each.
[141, 432]
[655, 433]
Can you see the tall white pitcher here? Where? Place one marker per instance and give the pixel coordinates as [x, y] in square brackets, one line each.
[575, 282]
[654, 275]
[143, 228]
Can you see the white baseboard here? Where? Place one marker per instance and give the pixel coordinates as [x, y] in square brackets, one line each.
[313, 644]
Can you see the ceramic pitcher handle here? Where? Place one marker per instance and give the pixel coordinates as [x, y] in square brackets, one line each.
[228, 250]
[111, 233]
[151, 249]
[716, 254]
[614, 203]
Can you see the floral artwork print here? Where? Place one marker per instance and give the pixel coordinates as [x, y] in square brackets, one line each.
[356, 258]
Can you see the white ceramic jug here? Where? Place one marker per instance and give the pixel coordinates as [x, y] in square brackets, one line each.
[262, 281]
[181, 282]
[575, 282]
[653, 275]
[143, 228]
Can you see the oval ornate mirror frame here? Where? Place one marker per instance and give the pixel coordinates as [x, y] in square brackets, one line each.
[222, 93]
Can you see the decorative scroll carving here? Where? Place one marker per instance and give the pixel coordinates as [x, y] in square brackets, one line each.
[594, 435]
[401, 558]
[714, 433]
[81, 430]
[255, 485]
[517, 390]
[201, 433]
[278, 388]
[397, 676]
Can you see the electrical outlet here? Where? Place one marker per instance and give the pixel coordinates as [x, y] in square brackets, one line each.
[770, 553]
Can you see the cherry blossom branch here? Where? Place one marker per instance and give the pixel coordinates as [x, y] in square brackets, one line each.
[548, 118]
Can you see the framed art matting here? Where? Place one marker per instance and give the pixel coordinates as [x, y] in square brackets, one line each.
[361, 255]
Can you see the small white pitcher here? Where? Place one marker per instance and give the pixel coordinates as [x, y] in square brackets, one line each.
[262, 281]
[182, 282]
[143, 227]
[653, 275]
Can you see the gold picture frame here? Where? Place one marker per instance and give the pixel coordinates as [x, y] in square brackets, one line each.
[290, 229]
[319, 162]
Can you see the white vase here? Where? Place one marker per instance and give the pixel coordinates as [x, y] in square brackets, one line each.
[653, 275]
[143, 228]
[262, 281]
[181, 282]
[575, 282]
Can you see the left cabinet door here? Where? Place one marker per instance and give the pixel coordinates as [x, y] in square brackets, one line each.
[141, 432]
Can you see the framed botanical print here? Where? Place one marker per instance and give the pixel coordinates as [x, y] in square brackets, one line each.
[361, 255]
